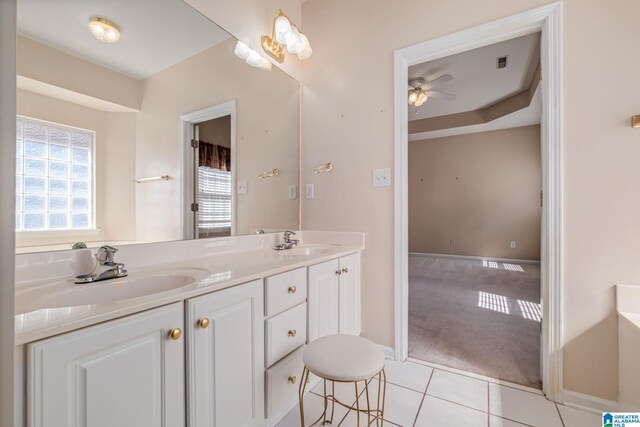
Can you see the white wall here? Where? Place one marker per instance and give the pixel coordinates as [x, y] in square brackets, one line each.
[7, 205]
[348, 119]
[267, 137]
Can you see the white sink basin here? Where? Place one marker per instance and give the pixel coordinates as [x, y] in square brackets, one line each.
[68, 294]
[306, 250]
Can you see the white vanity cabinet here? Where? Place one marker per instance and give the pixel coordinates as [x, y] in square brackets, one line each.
[128, 371]
[225, 336]
[334, 297]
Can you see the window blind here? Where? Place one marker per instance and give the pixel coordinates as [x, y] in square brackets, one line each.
[214, 199]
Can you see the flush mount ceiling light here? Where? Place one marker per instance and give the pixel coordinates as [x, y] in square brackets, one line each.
[285, 34]
[103, 30]
[252, 57]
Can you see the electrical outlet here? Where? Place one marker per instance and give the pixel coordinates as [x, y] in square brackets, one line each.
[309, 191]
[382, 177]
[293, 192]
[242, 187]
[513, 244]
[452, 242]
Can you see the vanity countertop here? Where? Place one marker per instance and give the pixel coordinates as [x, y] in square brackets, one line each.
[218, 272]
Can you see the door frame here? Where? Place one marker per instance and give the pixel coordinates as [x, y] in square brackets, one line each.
[186, 134]
[547, 20]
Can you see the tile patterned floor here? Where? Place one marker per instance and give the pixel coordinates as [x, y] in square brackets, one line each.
[422, 396]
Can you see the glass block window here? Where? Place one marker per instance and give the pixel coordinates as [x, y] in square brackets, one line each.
[54, 176]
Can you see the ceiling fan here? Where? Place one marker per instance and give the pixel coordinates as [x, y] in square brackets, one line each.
[420, 90]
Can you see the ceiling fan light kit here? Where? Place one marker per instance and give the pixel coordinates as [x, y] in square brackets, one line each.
[285, 34]
[420, 90]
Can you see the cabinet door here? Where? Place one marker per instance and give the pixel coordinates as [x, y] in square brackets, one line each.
[350, 310]
[323, 299]
[125, 372]
[226, 359]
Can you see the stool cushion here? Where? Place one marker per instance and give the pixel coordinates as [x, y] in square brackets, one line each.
[343, 358]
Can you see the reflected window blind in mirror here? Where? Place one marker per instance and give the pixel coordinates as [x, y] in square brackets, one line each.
[54, 177]
[214, 200]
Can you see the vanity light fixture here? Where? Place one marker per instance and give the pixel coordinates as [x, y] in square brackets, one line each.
[285, 33]
[269, 174]
[252, 57]
[104, 30]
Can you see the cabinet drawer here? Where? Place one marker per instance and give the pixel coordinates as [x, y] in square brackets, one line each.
[283, 380]
[285, 290]
[286, 332]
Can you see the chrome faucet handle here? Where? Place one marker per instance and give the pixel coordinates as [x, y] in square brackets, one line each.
[287, 236]
[105, 254]
[79, 245]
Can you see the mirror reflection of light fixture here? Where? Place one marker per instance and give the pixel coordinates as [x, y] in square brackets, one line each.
[286, 34]
[103, 30]
[252, 57]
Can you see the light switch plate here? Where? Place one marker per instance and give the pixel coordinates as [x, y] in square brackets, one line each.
[242, 187]
[382, 177]
[309, 191]
[293, 192]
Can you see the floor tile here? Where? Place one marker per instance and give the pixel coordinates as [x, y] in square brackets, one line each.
[401, 404]
[437, 412]
[408, 374]
[495, 421]
[577, 418]
[313, 407]
[524, 407]
[459, 389]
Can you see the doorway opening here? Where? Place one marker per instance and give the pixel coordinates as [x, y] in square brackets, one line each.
[545, 20]
[474, 211]
[209, 158]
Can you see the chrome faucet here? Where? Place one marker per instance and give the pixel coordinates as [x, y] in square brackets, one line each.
[106, 267]
[287, 243]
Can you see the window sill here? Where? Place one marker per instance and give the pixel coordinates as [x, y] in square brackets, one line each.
[23, 235]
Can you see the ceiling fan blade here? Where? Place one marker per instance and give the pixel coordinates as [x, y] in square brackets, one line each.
[438, 81]
[442, 95]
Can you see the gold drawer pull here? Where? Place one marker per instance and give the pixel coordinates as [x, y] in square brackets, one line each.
[345, 270]
[175, 334]
[203, 323]
[292, 379]
[292, 289]
[292, 333]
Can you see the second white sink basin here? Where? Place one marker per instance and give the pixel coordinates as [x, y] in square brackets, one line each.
[68, 294]
[306, 250]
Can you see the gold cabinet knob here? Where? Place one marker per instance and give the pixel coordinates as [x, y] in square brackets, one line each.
[292, 289]
[338, 272]
[345, 270]
[175, 333]
[203, 323]
[292, 379]
[292, 333]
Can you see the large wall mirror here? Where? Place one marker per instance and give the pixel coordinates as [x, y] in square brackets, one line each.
[162, 135]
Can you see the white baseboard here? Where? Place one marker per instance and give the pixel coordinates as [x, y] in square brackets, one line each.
[479, 258]
[589, 403]
[389, 352]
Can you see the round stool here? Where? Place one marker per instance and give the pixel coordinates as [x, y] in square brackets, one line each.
[345, 359]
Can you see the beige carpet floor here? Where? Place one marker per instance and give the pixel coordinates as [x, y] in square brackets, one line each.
[478, 316]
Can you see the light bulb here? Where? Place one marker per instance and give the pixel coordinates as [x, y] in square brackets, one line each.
[103, 30]
[419, 103]
[242, 50]
[294, 41]
[283, 28]
[413, 97]
[422, 98]
[305, 51]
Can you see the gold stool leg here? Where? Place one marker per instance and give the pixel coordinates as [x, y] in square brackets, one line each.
[303, 384]
[333, 400]
[357, 404]
[384, 395]
[366, 390]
